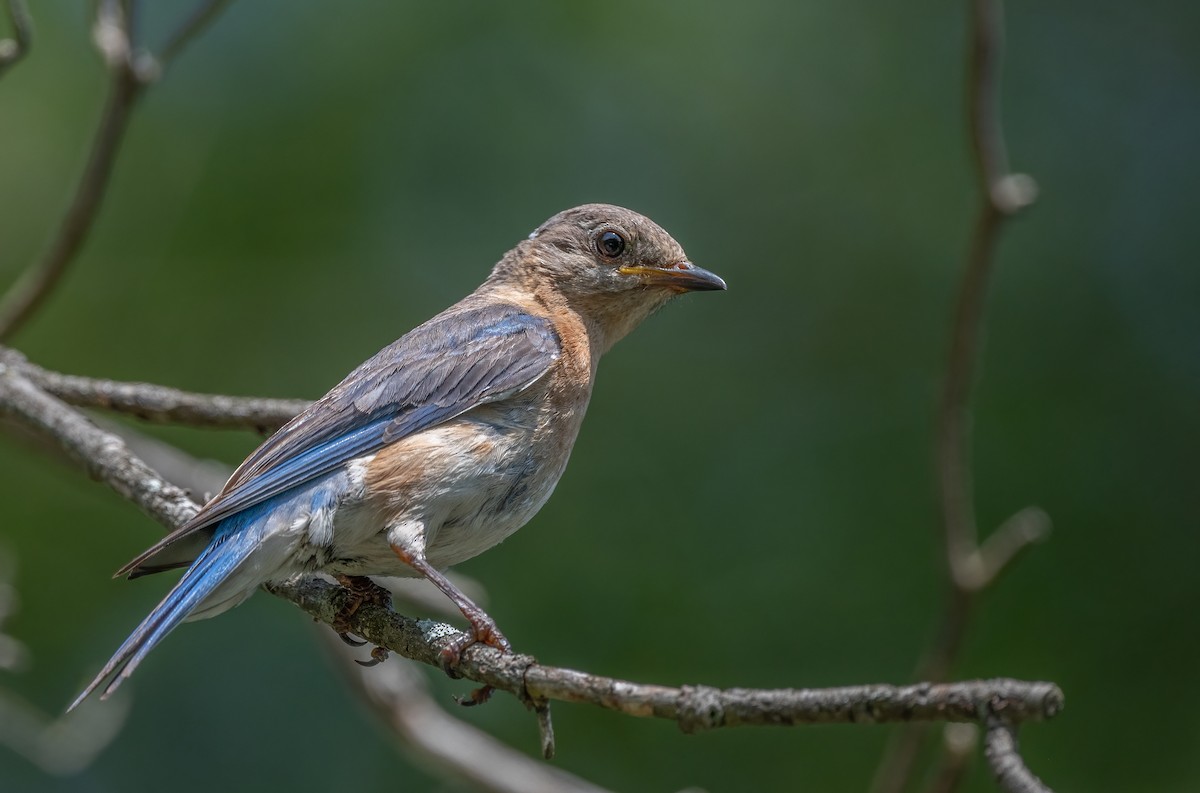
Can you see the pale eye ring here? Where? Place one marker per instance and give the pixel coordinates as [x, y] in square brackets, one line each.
[610, 244]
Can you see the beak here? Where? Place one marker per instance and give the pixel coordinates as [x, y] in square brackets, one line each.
[680, 276]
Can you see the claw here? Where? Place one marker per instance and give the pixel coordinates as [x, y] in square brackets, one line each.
[449, 658]
[476, 697]
[362, 590]
[378, 656]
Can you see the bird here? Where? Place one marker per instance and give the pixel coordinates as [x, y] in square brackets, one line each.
[435, 449]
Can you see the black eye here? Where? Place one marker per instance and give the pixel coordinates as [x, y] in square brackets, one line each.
[610, 244]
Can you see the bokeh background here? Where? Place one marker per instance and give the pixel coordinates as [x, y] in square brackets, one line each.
[311, 180]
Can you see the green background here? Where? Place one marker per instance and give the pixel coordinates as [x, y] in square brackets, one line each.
[751, 501]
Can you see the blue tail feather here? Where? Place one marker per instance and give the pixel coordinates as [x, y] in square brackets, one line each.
[228, 549]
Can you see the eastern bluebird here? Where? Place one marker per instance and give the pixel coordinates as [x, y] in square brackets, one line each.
[437, 448]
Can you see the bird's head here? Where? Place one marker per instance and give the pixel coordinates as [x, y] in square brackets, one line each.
[612, 265]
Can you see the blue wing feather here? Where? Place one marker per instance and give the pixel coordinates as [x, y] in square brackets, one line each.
[465, 357]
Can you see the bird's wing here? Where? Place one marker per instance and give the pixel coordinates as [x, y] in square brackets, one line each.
[451, 364]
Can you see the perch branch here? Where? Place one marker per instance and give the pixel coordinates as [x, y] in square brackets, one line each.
[694, 708]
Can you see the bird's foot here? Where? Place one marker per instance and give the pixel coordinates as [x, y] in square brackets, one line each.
[362, 590]
[483, 631]
[483, 627]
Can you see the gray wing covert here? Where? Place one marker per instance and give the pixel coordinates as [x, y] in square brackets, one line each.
[458, 360]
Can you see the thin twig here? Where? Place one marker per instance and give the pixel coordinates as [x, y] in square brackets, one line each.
[1000, 748]
[16, 48]
[130, 72]
[158, 403]
[971, 567]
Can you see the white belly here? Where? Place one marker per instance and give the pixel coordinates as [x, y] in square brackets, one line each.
[456, 490]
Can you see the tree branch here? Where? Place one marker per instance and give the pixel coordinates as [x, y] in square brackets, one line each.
[694, 708]
[971, 567]
[102, 454]
[34, 286]
[129, 75]
[1000, 748]
[158, 403]
[1001, 194]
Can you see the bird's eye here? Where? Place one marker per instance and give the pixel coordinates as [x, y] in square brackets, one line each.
[610, 244]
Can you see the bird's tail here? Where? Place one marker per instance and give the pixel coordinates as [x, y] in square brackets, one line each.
[213, 567]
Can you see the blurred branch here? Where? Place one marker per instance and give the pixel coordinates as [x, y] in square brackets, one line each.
[959, 744]
[694, 708]
[159, 403]
[204, 15]
[16, 48]
[13, 655]
[129, 74]
[971, 567]
[58, 746]
[64, 745]
[197, 476]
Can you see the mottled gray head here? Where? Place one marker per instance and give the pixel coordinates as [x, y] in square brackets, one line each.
[605, 249]
[611, 265]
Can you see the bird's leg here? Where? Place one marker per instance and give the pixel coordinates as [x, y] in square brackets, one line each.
[483, 627]
[362, 590]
